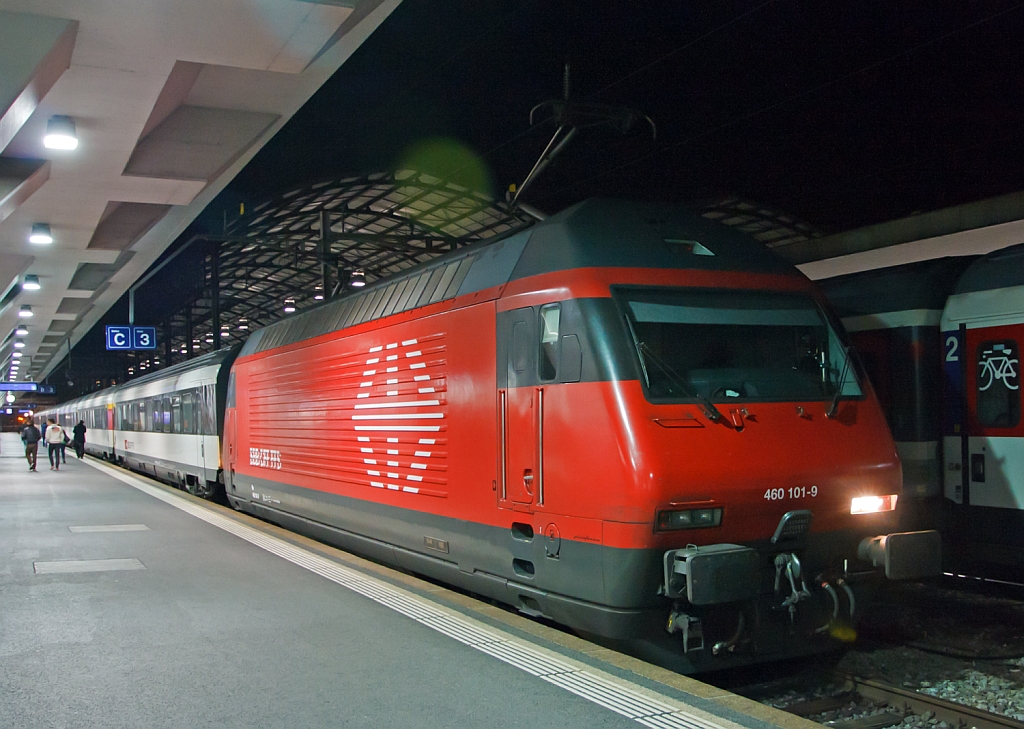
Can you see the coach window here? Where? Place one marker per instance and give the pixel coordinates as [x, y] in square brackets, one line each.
[998, 384]
[176, 413]
[209, 409]
[549, 320]
[140, 419]
[186, 413]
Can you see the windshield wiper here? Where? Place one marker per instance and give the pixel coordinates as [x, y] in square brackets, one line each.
[840, 386]
[708, 407]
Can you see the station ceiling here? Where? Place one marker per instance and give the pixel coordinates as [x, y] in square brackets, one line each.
[169, 99]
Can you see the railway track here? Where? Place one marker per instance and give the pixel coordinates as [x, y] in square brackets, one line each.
[905, 702]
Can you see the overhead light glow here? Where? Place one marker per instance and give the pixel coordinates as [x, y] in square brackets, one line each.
[61, 133]
[25, 311]
[30, 282]
[21, 331]
[19, 344]
[289, 306]
[40, 234]
[357, 279]
[16, 355]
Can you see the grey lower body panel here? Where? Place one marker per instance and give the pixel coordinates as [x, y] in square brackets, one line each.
[608, 593]
[571, 588]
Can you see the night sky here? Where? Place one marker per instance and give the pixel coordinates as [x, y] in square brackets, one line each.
[841, 114]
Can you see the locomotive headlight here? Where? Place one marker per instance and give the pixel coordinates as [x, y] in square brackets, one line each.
[872, 504]
[689, 519]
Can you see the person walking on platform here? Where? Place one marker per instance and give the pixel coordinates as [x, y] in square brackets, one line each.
[79, 440]
[54, 440]
[31, 436]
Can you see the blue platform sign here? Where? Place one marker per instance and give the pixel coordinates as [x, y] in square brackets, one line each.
[143, 337]
[119, 337]
[129, 338]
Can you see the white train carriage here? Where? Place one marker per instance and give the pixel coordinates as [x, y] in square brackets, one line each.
[165, 424]
[97, 412]
[983, 444]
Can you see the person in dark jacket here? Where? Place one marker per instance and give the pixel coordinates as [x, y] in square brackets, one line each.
[31, 436]
[79, 438]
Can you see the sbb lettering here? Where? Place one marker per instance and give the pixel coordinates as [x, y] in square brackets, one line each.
[265, 458]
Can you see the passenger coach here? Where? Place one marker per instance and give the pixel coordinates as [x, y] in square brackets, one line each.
[166, 424]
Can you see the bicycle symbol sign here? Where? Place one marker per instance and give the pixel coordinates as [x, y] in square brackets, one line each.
[997, 363]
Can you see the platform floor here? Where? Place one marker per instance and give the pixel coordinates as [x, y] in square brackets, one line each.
[124, 603]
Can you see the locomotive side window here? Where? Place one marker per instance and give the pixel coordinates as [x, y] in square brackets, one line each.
[736, 345]
[998, 384]
[549, 320]
[520, 346]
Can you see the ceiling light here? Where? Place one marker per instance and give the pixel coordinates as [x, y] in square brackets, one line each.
[25, 311]
[19, 344]
[319, 297]
[30, 282]
[21, 331]
[16, 355]
[357, 279]
[60, 133]
[289, 306]
[40, 234]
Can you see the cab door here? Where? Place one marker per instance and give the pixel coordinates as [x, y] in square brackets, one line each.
[519, 408]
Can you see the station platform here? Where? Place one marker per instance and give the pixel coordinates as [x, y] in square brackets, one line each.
[125, 603]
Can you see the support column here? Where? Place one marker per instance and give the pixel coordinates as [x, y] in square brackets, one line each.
[215, 295]
[325, 252]
[188, 332]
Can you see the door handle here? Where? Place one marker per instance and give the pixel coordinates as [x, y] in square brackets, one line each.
[528, 480]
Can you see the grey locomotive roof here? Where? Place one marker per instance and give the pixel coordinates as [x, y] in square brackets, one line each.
[997, 270]
[593, 233]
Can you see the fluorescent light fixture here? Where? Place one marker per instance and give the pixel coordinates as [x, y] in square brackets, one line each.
[21, 331]
[289, 306]
[319, 297]
[25, 311]
[40, 234]
[18, 344]
[30, 282]
[60, 133]
[357, 279]
[16, 355]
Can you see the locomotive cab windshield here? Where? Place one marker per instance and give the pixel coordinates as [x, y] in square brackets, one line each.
[730, 346]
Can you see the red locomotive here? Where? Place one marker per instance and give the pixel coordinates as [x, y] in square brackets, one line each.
[629, 419]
